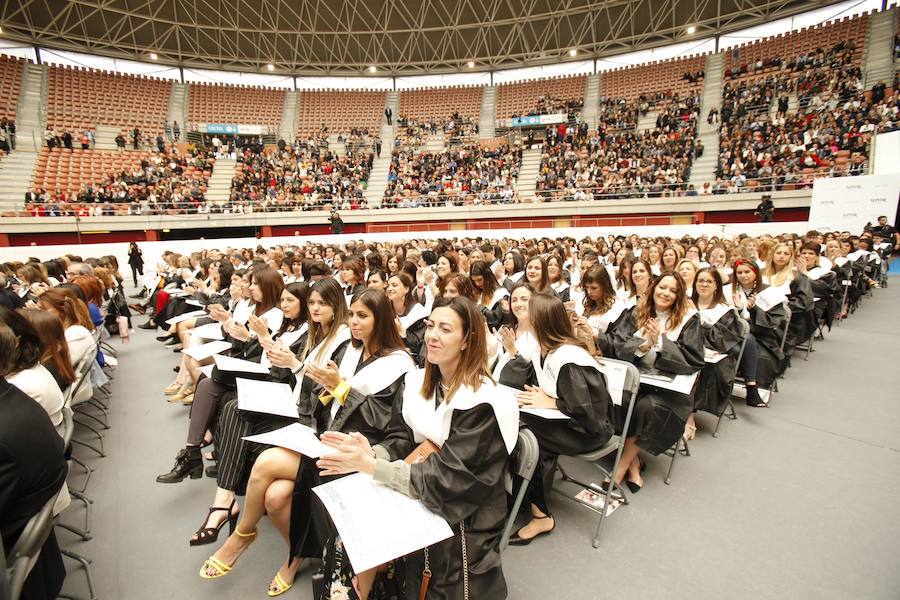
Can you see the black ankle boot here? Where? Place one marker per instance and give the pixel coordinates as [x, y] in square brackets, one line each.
[188, 463]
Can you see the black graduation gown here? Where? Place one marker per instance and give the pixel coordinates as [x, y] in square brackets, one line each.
[463, 483]
[372, 415]
[659, 417]
[827, 289]
[32, 471]
[415, 339]
[495, 316]
[768, 329]
[716, 381]
[803, 321]
[582, 395]
[604, 339]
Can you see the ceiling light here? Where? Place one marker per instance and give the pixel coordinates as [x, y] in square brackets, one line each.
[691, 30]
[270, 67]
[471, 64]
[153, 56]
[373, 69]
[573, 52]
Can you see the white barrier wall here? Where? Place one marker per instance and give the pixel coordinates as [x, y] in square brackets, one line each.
[152, 251]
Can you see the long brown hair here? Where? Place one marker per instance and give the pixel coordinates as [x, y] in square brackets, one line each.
[600, 276]
[544, 283]
[70, 308]
[271, 285]
[473, 367]
[464, 285]
[53, 338]
[92, 287]
[646, 308]
[385, 338]
[486, 293]
[552, 325]
[331, 293]
[718, 295]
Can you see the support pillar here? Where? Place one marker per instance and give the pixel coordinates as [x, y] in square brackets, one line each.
[152, 235]
[266, 231]
[4, 240]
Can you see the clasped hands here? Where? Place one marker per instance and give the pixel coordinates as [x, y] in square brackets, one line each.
[650, 333]
[534, 397]
[353, 454]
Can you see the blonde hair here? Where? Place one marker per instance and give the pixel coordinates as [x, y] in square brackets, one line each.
[784, 275]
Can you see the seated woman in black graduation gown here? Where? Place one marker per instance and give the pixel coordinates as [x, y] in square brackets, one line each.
[601, 307]
[519, 349]
[354, 392]
[721, 337]
[489, 294]
[557, 273]
[463, 482]
[782, 272]
[763, 360]
[825, 285]
[662, 333]
[409, 314]
[236, 455]
[32, 471]
[568, 379]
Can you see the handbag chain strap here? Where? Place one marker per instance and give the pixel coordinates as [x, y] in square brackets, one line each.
[465, 559]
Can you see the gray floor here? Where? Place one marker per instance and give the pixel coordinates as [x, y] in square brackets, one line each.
[796, 501]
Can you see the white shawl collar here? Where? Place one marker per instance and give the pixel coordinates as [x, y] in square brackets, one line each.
[556, 360]
[428, 422]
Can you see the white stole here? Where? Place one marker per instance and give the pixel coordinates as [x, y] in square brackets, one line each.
[416, 313]
[428, 422]
[548, 374]
[600, 323]
[375, 376]
[710, 316]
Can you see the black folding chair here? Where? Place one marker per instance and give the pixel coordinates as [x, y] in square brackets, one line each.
[527, 452]
[25, 552]
[728, 410]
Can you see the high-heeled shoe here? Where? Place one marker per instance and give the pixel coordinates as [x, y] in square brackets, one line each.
[172, 341]
[221, 567]
[188, 463]
[208, 535]
[690, 431]
[165, 337]
[518, 540]
[172, 389]
[278, 586]
[182, 393]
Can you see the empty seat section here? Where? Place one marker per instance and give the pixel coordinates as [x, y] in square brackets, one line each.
[437, 104]
[235, 104]
[80, 98]
[667, 77]
[11, 69]
[339, 111]
[539, 96]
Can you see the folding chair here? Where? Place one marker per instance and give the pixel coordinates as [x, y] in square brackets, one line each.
[628, 376]
[526, 461]
[4, 579]
[84, 379]
[681, 445]
[28, 547]
[85, 533]
[729, 405]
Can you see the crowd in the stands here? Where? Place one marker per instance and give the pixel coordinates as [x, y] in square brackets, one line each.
[549, 104]
[458, 176]
[616, 160]
[169, 183]
[291, 178]
[415, 132]
[766, 143]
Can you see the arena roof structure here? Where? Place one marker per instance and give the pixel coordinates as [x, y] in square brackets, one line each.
[387, 37]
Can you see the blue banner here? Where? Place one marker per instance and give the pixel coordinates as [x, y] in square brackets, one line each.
[222, 128]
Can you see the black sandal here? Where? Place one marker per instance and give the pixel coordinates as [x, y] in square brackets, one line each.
[753, 398]
[208, 535]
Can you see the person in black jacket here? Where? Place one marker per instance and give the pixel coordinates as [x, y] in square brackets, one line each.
[765, 210]
[135, 261]
[32, 471]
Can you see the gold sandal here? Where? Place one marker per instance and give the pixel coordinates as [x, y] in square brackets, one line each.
[280, 585]
[221, 567]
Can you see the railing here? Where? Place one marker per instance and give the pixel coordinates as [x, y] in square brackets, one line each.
[472, 200]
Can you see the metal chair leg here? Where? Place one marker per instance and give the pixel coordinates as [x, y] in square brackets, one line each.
[99, 452]
[725, 413]
[95, 432]
[87, 474]
[675, 451]
[100, 421]
[86, 564]
[85, 533]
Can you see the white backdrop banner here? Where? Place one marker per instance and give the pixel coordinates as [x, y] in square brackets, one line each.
[152, 251]
[848, 203]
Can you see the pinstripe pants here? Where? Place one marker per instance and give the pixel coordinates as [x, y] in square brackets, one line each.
[237, 455]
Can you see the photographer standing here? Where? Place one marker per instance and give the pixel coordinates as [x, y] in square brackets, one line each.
[766, 209]
[337, 224]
